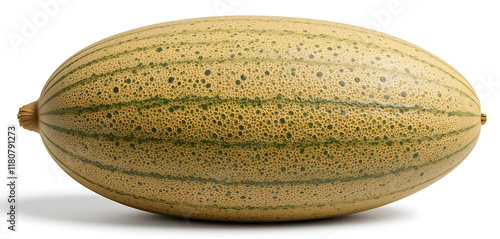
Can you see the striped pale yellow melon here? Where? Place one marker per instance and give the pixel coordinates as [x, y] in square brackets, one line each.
[255, 118]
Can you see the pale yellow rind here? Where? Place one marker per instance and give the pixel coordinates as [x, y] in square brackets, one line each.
[257, 118]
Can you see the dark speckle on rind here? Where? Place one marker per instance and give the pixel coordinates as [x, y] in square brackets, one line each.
[319, 74]
[208, 72]
[159, 49]
[283, 169]
[267, 73]
[171, 80]
[311, 56]
[116, 89]
[356, 79]
[403, 94]
[243, 77]
[238, 82]
[415, 155]
[383, 79]
[407, 70]
[341, 83]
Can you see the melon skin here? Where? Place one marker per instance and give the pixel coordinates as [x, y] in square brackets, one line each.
[255, 119]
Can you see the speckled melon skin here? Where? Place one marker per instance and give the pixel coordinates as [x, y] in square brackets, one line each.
[256, 118]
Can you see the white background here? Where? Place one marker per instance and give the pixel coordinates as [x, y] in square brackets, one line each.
[464, 204]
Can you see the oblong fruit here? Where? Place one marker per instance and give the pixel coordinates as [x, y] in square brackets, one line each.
[255, 118]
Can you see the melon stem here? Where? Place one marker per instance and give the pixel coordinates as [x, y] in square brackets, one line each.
[28, 116]
[483, 118]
